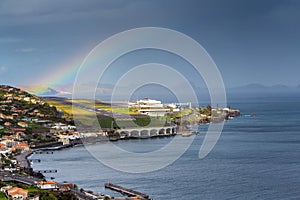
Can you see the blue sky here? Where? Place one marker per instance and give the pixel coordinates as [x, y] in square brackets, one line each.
[250, 41]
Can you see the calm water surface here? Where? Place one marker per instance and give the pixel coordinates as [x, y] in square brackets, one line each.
[255, 158]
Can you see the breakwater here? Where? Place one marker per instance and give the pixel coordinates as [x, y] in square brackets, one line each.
[126, 191]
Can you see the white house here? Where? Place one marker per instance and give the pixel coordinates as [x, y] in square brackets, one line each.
[15, 192]
[47, 185]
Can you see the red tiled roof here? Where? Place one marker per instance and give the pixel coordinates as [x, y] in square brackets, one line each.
[17, 190]
[47, 183]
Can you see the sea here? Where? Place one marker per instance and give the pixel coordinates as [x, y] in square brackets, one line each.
[256, 157]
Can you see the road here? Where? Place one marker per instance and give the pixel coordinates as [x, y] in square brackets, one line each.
[22, 159]
[29, 180]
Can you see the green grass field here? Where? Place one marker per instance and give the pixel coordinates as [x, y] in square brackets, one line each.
[88, 118]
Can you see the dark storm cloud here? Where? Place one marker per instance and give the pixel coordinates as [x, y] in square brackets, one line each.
[251, 41]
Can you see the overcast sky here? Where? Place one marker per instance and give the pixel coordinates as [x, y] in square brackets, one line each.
[251, 41]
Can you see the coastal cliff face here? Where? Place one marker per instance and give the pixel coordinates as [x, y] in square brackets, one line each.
[206, 115]
[233, 113]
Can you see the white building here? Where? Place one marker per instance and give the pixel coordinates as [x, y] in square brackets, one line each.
[47, 185]
[149, 107]
[149, 103]
[60, 126]
[15, 192]
[5, 151]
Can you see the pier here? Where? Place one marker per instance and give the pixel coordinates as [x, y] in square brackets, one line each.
[47, 171]
[34, 160]
[128, 192]
[43, 152]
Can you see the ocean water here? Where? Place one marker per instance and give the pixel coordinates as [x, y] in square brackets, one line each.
[255, 158]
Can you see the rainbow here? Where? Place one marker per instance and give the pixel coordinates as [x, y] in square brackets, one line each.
[63, 73]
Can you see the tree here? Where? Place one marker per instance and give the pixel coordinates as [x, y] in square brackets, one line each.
[48, 196]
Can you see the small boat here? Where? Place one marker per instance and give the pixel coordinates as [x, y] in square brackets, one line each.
[187, 133]
[113, 139]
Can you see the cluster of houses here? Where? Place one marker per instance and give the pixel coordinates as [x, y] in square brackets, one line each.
[16, 114]
[11, 93]
[19, 112]
[12, 107]
[54, 186]
[22, 194]
[10, 144]
[14, 140]
[15, 192]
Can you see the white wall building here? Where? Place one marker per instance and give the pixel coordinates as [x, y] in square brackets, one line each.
[47, 185]
[149, 107]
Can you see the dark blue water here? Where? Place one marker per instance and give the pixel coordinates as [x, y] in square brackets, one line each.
[255, 158]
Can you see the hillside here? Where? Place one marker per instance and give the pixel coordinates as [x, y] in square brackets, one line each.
[26, 116]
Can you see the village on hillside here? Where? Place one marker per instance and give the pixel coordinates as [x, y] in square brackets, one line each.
[27, 121]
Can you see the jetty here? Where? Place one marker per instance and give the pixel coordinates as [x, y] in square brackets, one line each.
[47, 171]
[34, 160]
[43, 152]
[128, 192]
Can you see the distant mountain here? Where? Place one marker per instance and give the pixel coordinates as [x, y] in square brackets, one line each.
[252, 86]
[67, 89]
[259, 88]
[43, 90]
[280, 87]
[49, 91]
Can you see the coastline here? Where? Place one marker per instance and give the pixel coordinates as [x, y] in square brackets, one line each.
[23, 159]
